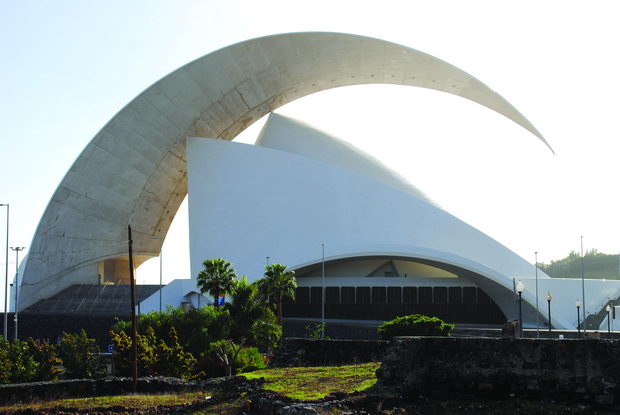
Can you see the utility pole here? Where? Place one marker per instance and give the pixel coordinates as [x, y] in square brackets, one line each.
[16, 249]
[134, 343]
[323, 293]
[6, 275]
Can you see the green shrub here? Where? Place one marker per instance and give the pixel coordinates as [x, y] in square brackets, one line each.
[45, 355]
[414, 325]
[80, 356]
[27, 361]
[196, 328]
[265, 334]
[156, 356]
[249, 359]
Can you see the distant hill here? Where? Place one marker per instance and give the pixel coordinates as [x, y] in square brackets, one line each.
[595, 265]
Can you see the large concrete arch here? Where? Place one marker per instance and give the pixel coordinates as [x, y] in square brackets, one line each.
[134, 170]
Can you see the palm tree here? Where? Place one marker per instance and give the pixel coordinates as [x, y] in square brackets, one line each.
[277, 283]
[217, 278]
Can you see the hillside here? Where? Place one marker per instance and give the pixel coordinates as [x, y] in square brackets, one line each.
[595, 264]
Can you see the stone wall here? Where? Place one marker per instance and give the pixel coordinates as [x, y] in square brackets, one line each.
[24, 392]
[310, 352]
[570, 370]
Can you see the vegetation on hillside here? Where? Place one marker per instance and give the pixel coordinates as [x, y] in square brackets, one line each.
[596, 265]
[317, 382]
[414, 325]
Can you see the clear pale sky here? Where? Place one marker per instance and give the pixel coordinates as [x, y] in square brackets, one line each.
[69, 66]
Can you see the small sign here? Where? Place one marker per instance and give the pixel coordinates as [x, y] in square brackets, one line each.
[220, 300]
[110, 348]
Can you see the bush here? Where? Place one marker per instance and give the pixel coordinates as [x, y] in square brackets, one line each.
[27, 361]
[156, 357]
[80, 356]
[196, 328]
[414, 325]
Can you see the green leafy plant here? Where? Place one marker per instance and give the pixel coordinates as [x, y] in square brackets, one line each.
[217, 278]
[48, 362]
[277, 284]
[414, 325]
[156, 357]
[80, 356]
[316, 330]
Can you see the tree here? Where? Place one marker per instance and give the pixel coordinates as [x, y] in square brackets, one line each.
[217, 278]
[80, 356]
[246, 307]
[277, 284]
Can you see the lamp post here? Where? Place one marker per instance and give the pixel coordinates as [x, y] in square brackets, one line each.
[161, 254]
[549, 309]
[537, 313]
[520, 288]
[578, 304]
[583, 288]
[6, 274]
[608, 309]
[16, 249]
[323, 292]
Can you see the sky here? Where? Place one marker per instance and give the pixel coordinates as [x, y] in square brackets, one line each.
[69, 66]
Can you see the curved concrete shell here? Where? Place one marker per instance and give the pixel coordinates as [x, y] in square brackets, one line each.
[134, 170]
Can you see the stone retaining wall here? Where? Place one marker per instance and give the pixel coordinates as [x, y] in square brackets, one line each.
[310, 352]
[570, 370]
[24, 392]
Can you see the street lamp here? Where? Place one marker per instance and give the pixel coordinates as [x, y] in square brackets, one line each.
[323, 292]
[608, 309]
[583, 287]
[578, 304]
[537, 313]
[6, 274]
[549, 308]
[520, 288]
[16, 249]
[161, 253]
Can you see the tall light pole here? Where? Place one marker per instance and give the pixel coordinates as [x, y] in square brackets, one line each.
[323, 292]
[16, 249]
[549, 309]
[537, 313]
[6, 275]
[583, 288]
[161, 254]
[578, 304]
[520, 288]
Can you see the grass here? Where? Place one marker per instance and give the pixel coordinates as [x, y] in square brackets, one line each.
[129, 401]
[317, 382]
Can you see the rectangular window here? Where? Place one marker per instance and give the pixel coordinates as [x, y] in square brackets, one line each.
[394, 295]
[440, 295]
[302, 295]
[425, 295]
[316, 295]
[455, 295]
[347, 295]
[378, 295]
[363, 295]
[469, 295]
[410, 295]
[332, 295]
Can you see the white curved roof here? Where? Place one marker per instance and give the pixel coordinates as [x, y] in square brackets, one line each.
[296, 137]
[134, 170]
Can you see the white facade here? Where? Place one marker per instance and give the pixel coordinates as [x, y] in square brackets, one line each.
[298, 189]
[133, 172]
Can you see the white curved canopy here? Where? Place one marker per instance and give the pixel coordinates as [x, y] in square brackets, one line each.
[134, 170]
